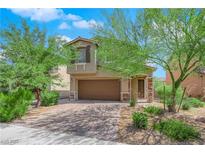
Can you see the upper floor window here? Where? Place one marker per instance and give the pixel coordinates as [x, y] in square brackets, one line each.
[84, 55]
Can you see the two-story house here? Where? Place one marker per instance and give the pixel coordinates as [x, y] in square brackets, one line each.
[84, 80]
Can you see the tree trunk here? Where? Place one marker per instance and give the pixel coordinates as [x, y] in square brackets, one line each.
[164, 101]
[181, 99]
[172, 106]
[38, 97]
[134, 89]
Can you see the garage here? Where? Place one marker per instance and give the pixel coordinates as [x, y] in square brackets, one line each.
[99, 90]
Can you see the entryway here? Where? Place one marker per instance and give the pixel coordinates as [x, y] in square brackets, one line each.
[141, 88]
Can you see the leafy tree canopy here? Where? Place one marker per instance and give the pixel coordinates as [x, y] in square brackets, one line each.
[171, 38]
[176, 42]
[122, 45]
[176, 38]
[28, 55]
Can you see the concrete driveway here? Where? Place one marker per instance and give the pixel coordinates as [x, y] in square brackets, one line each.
[72, 123]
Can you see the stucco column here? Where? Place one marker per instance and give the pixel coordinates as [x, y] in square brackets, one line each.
[73, 85]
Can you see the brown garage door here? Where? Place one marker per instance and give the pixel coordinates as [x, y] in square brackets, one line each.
[99, 89]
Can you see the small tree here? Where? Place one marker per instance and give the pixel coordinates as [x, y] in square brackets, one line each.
[171, 38]
[120, 50]
[29, 55]
[176, 42]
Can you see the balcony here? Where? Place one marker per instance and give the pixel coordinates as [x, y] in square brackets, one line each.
[82, 68]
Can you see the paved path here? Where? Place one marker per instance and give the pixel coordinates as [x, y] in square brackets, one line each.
[73, 123]
[12, 134]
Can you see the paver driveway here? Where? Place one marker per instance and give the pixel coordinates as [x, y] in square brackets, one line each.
[88, 120]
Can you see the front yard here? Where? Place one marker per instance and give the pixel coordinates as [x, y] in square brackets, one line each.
[130, 135]
[98, 123]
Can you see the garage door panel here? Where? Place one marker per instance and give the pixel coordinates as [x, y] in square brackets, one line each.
[99, 89]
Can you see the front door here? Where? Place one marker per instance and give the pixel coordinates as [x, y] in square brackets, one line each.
[141, 88]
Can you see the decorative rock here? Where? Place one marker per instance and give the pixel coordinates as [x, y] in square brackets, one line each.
[151, 140]
[200, 119]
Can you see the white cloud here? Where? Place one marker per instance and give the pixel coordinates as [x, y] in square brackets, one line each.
[84, 24]
[49, 14]
[45, 15]
[63, 25]
[72, 17]
[64, 38]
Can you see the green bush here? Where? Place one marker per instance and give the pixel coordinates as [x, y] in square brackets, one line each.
[140, 120]
[153, 110]
[177, 130]
[186, 106]
[132, 103]
[195, 102]
[14, 104]
[192, 102]
[49, 98]
[160, 90]
[157, 83]
[168, 91]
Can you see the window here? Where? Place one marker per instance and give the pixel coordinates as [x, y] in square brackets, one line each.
[84, 55]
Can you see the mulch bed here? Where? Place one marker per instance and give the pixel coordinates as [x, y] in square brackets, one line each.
[128, 134]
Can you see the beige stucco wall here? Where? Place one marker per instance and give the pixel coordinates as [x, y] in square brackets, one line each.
[64, 81]
[124, 83]
[85, 67]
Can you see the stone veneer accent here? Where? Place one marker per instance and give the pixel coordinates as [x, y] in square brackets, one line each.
[150, 89]
[73, 95]
[125, 96]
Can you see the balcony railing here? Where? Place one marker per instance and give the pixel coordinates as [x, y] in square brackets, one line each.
[79, 68]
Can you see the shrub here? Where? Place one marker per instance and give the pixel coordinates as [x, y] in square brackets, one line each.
[132, 103]
[195, 102]
[160, 90]
[153, 110]
[177, 130]
[192, 102]
[157, 82]
[14, 104]
[140, 120]
[168, 90]
[186, 106]
[49, 98]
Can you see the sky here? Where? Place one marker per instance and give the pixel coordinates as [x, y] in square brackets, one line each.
[67, 23]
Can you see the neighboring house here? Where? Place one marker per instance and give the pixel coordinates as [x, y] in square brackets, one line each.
[89, 82]
[195, 83]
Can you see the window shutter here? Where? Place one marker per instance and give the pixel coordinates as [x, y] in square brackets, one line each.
[88, 54]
